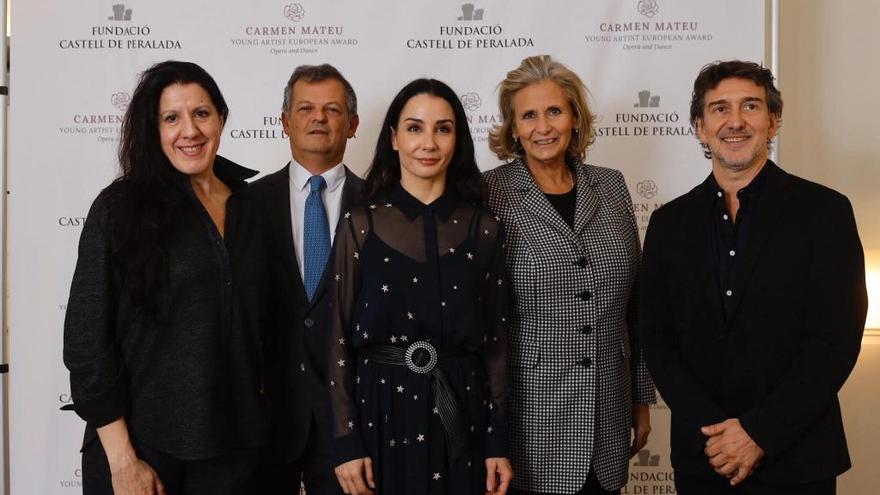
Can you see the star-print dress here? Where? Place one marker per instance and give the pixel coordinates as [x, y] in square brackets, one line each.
[405, 272]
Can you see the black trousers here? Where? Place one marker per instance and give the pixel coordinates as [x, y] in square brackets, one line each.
[692, 485]
[230, 474]
[314, 469]
[591, 487]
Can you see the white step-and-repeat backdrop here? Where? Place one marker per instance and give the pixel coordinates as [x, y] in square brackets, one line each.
[74, 66]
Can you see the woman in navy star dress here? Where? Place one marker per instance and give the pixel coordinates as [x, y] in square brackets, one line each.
[418, 345]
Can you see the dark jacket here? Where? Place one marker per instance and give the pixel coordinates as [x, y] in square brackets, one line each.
[297, 330]
[792, 337]
[186, 381]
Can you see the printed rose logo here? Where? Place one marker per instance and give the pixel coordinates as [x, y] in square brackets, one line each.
[471, 101]
[294, 11]
[120, 101]
[646, 189]
[648, 8]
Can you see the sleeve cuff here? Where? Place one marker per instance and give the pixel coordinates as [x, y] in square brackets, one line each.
[496, 442]
[105, 408]
[348, 448]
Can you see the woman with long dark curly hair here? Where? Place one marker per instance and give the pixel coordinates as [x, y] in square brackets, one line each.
[418, 347]
[159, 336]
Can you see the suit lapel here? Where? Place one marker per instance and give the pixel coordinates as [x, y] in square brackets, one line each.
[697, 230]
[587, 199]
[536, 205]
[280, 211]
[770, 205]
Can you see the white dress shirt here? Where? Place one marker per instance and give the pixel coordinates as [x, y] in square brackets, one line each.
[299, 191]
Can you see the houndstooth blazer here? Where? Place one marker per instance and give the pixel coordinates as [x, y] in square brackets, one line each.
[575, 365]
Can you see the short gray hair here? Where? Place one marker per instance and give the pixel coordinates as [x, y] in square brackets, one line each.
[315, 74]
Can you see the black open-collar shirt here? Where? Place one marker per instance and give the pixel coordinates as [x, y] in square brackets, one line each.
[188, 383]
[730, 238]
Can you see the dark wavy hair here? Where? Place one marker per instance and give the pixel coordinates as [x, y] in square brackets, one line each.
[462, 175]
[144, 197]
[712, 74]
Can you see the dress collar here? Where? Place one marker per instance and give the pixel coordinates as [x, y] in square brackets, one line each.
[411, 207]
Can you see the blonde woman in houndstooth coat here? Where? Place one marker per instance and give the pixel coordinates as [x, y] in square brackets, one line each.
[578, 407]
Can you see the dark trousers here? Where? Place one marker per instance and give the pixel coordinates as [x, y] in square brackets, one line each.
[314, 469]
[229, 474]
[591, 487]
[692, 485]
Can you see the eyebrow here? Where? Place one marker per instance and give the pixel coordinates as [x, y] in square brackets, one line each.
[420, 121]
[747, 99]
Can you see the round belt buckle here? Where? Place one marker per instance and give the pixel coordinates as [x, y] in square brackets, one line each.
[432, 357]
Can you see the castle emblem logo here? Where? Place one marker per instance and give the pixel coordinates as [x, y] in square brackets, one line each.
[646, 459]
[120, 13]
[647, 100]
[469, 13]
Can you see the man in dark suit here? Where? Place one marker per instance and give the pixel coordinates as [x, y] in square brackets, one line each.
[753, 305]
[301, 205]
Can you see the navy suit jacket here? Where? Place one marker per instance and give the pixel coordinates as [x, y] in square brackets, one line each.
[295, 346]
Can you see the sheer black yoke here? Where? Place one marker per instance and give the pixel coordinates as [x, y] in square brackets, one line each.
[405, 272]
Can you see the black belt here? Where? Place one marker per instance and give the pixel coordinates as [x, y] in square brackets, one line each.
[421, 357]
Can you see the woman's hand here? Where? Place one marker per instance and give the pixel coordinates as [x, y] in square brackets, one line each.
[356, 477]
[641, 424]
[135, 477]
[128, 474]
[498, 475]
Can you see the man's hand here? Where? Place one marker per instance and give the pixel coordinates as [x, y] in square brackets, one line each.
[731, 451]
[356, 476]
[498, 475]
[641, 424]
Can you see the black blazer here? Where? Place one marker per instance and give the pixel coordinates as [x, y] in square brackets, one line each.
[790, 342]
[295, 344]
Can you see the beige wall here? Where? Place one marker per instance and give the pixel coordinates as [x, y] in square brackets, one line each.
[828, 74]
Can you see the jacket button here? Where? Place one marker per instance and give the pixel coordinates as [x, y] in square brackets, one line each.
[585, 295]
[582, 262]
[586, 362]
[587, 329]
[309, 323]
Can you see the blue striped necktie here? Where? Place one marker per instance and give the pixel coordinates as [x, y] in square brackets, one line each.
[316, 236]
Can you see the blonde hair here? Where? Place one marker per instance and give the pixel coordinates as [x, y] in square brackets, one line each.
[533, 70]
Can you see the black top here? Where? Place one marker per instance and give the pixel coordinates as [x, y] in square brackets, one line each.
[731, 237]
[406, 272]
[564, 204]
[187, 383]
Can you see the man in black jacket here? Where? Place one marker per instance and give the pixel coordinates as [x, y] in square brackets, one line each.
[753, 305]
[301, 205]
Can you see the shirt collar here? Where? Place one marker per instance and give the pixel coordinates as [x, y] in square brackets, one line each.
[229, 172]
[299, 176]
[751, 190]
[412, 207]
